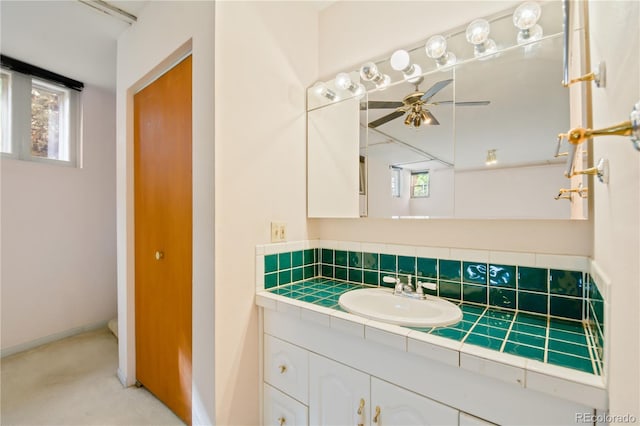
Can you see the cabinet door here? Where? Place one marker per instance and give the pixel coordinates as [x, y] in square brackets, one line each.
[282, 410]
[286, 368]
[335, 394]
[400, 407]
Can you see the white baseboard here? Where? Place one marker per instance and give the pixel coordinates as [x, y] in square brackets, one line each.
[51, 338]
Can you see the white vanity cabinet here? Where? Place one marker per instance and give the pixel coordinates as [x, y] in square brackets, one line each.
[331, 363]
[392, 405]
[280, 409]
[338, 395]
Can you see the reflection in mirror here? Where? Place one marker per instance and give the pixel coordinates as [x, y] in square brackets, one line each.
[504, 156]
[409, 129]
[473, 136]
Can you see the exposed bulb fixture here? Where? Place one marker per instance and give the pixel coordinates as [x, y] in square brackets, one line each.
[436, 48]
[525, 18]
[478, 35]
[343, 81]
[321, 90]
[370, 72]
[491, 157]
[401, 61]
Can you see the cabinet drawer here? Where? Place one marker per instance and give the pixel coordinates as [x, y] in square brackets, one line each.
[286, 367]
[282, 410]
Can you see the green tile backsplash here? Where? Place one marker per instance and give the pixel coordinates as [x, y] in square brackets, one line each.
[559, 293]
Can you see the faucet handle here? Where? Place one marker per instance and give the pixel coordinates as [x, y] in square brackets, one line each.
[390, 280]
[428, 286]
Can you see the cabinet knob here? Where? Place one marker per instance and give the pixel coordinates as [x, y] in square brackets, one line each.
[283, 369]
[376, 418]
[282, 421]
[159, 255]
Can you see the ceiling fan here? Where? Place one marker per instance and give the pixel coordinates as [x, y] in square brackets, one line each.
[415, 104]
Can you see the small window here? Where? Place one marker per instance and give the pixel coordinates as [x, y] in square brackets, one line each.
[395, 181]
[5, 117]
[420, 184]
[49, 121]
[39, 117]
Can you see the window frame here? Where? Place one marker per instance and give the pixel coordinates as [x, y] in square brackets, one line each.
[19, 118]
[413, 185]
[6, 145]
[396, 175]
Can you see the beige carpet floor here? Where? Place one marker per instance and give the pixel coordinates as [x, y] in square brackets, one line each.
[73, 382]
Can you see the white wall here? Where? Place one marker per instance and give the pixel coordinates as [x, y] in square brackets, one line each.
[615, 38]
[266, 57]
[165, 31]
[522, 192]
[58, 223]
[375, 30]
[58, 237]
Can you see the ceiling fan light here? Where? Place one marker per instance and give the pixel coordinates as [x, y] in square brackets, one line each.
[409, 119]
[424, 117]
[526, 15]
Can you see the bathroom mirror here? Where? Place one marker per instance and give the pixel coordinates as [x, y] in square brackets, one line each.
[489, 156]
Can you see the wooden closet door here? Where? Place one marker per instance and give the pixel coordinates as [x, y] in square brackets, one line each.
[163, 237]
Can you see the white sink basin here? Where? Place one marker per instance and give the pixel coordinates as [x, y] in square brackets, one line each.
[380, 304]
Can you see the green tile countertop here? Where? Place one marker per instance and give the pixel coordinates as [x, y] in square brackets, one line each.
[536, 337]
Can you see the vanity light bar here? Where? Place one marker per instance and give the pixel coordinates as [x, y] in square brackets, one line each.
[525, 18]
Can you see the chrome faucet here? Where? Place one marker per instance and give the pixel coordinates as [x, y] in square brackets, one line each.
[407, 289]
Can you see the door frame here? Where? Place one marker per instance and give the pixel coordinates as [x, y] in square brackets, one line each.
[203, 379]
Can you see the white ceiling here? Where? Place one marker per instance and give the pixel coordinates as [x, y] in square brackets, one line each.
[66, 37]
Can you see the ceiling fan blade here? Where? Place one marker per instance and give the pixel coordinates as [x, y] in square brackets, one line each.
[380, 121]
[385, 104]
[466, 103]
[435, 89]
[432, 119]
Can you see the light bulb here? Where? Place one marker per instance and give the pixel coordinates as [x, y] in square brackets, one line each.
[414, 76]
[532, 34]
[343, 81]
[383, 82]
[436, 47]
[485, 49]
[369, 71]
[400, 60]
[321, 90]
[478, 31]
[526, 15]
